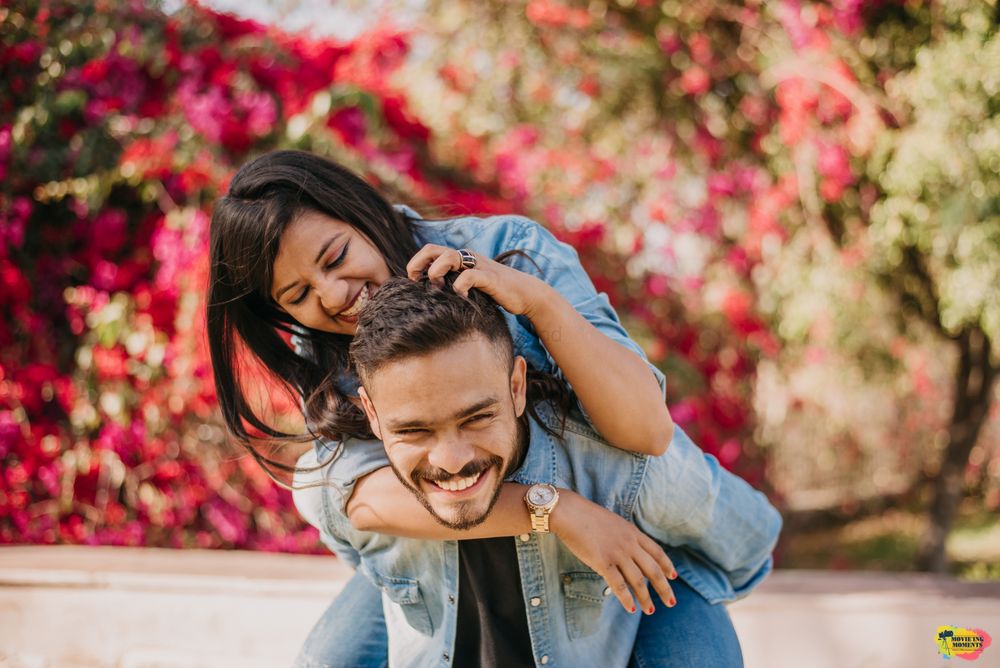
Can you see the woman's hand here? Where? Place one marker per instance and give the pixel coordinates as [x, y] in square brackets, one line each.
[517, 292]
[618, 551]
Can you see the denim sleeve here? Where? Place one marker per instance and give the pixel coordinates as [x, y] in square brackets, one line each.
[730, 529]
[315, 500]
[356, 459]
[558, 264]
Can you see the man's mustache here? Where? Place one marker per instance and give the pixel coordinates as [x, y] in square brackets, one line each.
[435, 474]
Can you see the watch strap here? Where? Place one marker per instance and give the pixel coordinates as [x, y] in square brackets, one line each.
[540, 520]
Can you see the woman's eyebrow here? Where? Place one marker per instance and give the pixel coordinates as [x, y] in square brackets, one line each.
[329, 242]
[319, 256]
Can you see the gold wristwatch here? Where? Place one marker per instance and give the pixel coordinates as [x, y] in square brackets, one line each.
[541, 500]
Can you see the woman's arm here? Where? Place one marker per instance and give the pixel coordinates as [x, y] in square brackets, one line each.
[620, 553]
[614, 384]
[380, 503]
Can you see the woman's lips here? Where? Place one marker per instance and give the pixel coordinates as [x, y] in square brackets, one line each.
[353, 310]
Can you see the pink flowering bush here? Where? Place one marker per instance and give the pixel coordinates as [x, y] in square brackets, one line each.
[775, 195]
[118, 127]
[763, 189]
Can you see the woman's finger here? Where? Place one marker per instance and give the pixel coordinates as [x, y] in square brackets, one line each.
[657, 552]
[637, 582]
[442, 264]
[423, 258]
[473, 278]
[619, 588]
[657, 577]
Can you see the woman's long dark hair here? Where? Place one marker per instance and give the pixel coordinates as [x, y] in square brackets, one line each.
[264, 197]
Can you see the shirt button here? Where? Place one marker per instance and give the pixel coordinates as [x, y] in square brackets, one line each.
[567, 579]
[607, 591]
[535, 602]
[525, 537]
[451, 599]
[446, 657]
[544, 660]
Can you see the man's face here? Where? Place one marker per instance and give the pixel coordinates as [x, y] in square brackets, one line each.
[449, 422]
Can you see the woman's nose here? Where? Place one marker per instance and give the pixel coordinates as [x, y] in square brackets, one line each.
[331, 295]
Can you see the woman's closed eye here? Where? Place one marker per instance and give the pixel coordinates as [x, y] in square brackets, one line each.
[336, 262]
[339, 259]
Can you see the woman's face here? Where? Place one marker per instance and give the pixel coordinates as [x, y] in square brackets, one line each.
[325, 272]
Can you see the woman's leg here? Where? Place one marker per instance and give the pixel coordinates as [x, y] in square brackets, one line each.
[351, 633]
[692, 634]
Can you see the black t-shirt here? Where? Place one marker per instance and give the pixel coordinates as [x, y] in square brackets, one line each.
[492, 629]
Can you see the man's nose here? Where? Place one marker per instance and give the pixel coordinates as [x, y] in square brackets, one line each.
[451, 453]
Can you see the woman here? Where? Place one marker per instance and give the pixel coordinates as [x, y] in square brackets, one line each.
[298, 246]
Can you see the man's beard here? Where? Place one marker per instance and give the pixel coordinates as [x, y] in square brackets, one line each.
[465, 516]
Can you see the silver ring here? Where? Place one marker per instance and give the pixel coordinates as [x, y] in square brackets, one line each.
[468, 259]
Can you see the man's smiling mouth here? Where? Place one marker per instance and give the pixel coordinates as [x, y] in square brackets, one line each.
[457, 484]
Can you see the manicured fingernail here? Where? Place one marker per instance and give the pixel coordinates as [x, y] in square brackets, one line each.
[673, 576]
[632, 609]
[672, 602]
[650, 611]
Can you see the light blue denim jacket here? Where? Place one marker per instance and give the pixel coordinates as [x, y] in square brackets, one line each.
[718, 530]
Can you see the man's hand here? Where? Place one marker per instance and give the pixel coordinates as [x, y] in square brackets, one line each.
[618, 551]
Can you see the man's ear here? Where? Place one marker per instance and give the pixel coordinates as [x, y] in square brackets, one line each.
[370, 413]
[519, 385]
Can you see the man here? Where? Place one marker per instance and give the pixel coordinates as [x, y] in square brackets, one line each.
[449, 400]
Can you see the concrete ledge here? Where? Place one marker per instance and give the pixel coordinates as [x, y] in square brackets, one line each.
[819, 619]
[70, 607]
[146, 608]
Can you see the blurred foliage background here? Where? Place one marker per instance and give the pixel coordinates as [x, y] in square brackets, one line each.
[794, 205]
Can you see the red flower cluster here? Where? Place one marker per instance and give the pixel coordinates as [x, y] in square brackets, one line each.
[108, 431]
[107, 426]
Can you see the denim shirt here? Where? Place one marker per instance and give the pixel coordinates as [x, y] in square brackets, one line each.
[718, 531]
[721, 530]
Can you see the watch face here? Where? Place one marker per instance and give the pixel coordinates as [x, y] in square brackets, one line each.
[540, 495]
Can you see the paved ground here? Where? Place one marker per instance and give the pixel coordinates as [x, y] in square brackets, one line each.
[75, 607]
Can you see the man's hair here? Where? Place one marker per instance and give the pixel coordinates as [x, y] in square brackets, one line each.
[409, 318]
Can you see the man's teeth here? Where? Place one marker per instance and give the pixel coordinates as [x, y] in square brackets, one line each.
[458, 484]
[359, 303]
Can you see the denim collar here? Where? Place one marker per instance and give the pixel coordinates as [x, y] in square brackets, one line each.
[410, 213]
[539, 465]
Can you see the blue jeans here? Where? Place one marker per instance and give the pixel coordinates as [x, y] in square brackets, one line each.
[693, 634]
[351, 633]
